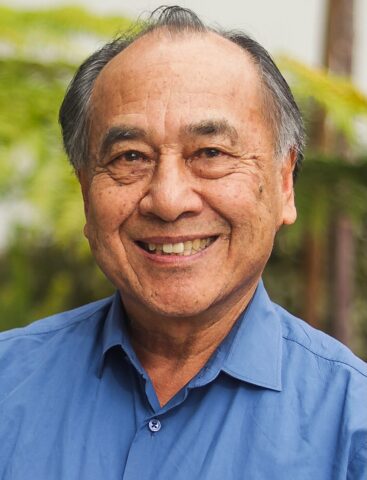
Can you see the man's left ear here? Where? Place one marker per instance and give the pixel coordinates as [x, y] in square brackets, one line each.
[289, 207]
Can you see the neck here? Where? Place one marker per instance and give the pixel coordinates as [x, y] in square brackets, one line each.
[174, 349]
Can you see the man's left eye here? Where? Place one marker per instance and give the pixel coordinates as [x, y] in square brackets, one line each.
[209, 152]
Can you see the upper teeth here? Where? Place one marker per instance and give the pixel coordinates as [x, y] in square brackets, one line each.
[186, 248]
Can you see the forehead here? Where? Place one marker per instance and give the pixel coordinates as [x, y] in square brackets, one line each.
[176, 76]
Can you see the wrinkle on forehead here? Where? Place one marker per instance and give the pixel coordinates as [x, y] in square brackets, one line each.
[170, 76]
[157, 50]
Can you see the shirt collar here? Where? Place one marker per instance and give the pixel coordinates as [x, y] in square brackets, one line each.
[255, 354]
[115, 334]
[253, 349]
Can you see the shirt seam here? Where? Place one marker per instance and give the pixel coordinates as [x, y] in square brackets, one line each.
[51, 330]
[325, 358]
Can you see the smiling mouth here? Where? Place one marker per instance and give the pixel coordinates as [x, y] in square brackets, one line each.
[188, 248]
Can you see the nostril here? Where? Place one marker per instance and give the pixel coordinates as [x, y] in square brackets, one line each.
[170, 203]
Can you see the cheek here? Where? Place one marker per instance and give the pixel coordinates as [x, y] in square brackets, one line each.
[109, 207]
[248, 205]
[233, 198]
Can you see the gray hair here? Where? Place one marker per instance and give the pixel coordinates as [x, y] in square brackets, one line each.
[283, 112]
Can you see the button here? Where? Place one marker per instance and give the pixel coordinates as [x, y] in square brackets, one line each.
[154, 425]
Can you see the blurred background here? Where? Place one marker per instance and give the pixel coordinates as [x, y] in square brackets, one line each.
[318, 269]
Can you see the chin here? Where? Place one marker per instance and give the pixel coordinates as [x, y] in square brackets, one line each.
[174, 305]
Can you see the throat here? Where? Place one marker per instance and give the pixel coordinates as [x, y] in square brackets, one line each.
[168, 380]
[171, 365]
[173, 350]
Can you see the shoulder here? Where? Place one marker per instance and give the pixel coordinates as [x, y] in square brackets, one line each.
[329, 383]
[49, 344]
[53, 324]
[312, 343]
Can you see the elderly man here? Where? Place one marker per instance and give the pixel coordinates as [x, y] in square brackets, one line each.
[186, 141]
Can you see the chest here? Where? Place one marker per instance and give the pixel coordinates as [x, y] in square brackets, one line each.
[109, 429]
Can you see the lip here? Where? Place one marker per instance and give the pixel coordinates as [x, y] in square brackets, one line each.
[173, 259]
[178, 239]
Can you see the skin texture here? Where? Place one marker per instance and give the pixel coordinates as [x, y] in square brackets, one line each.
[189, 154]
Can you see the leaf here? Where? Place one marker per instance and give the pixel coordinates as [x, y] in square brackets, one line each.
[343, 103]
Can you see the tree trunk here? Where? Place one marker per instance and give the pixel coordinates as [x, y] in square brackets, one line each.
[343, 279]
[314, 262]
[339, 59]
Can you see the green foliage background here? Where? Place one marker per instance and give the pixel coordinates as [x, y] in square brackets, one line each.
[45, 264]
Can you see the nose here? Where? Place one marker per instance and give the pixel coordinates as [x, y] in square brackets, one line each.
[172, 193]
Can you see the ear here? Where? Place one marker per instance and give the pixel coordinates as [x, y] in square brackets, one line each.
[83, 178]
[289, 207]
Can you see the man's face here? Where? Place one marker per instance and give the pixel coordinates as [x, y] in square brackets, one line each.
[183, 195]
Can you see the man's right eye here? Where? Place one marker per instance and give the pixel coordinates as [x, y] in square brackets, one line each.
[131, 156]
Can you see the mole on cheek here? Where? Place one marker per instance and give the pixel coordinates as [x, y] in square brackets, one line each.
[260, 192]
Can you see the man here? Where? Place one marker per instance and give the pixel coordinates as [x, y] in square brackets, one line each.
[185, 141]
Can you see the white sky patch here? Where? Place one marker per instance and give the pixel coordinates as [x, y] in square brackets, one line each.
[295, 28]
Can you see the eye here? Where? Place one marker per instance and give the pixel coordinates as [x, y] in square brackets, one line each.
[208, 152]
[131, 156]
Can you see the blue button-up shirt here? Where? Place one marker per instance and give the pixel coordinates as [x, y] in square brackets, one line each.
[277, 400]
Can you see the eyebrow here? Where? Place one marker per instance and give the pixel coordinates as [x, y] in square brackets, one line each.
[209, 128]
[212, 128]
[119, 134]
